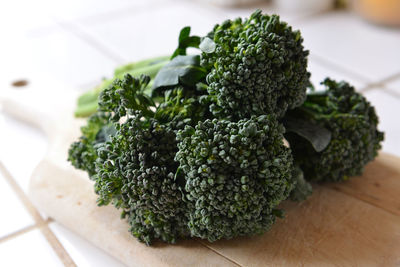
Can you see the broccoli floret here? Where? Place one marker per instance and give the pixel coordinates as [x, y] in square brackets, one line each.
[82, 154]
[136, 172]
[257, 66]
[236, 174]
[353, 123]
[125, 96]
[87, 102]
[303, 189]
[135, 169]
[185, 104]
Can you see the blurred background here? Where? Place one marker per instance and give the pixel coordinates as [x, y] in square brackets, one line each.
[76, 43]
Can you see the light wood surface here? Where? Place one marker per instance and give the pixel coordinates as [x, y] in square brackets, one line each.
[355, 223]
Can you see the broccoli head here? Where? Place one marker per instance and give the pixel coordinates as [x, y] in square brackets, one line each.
[125, 96]
[355, 139]
[135, 171]
[183, 103]
[133, 167]
[82, 153]
[256, 66]
[236, 174]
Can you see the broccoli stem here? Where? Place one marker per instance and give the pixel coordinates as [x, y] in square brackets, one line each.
[87, 109]
[87, 102]
[140, 64]
[317, 97]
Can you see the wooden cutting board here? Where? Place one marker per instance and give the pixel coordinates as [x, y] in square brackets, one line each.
[356, 223]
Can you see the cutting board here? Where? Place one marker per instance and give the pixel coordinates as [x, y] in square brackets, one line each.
[354, 223]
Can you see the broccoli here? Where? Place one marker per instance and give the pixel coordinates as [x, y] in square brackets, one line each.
[82, 154]
[136, 172]
[87, 102]
[183, 104]
[198, 149]
[352, 122]
[256, 66]
[302, 188]
[135, 167]
[236, 174]
[125, 96]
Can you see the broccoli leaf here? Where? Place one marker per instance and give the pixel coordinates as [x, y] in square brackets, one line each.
[185, 41]
[318, 136]
[182, 69]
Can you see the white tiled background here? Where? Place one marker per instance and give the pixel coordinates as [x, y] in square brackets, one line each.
[80, 41]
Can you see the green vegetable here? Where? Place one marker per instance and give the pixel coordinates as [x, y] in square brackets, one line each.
[135, 172]
[184, 70]
[185, 41]
[258, 66]
[319, 137]
[194, 145]
[83, 153]
[236, 174]
[303, 189]
[87, 103]
[126, 95]
[133, 166]
[352, 122]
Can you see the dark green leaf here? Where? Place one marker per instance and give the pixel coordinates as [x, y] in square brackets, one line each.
[192, 41]
[318, 136]
[207, 45]
[181, 70]
[185, 41]
[185, 32]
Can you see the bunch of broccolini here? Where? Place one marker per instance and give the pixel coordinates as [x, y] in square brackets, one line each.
[208, 145]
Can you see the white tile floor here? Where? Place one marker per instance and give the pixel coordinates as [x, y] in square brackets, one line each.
[363, 49]
[320, 69]
[388, 110]
[28, 249]
[82, 252]
[79, 42]
[394, 87]
[15, 217]
[20, 143]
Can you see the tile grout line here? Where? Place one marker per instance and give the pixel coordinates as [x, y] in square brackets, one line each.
[85, 36]
[74, 27]
[369, 85]
[116, 14]
[331, 65]
[25, 230]
[91, 19]
[57, 246]
[392, 92]
[18, 233]
[20, 194]
[39, 221]
[390, 78]
[377, 87]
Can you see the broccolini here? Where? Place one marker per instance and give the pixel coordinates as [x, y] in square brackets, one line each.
[257, 66]
[236, 174]
[355, 138]
[197, 148]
